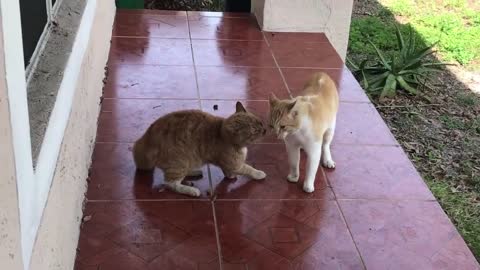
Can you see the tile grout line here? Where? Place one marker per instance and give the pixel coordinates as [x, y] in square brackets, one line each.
[211, 195]
[211, 99]
[277, 65]
[272, 143]
[194, 65]
[212, 66]
[217, 236]
[264, 200]
[351, 234]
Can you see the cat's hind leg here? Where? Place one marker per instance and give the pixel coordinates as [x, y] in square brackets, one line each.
[173, 180]
[327, 160]
[314, 152]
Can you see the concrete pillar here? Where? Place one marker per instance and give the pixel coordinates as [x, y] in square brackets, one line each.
[329, 16]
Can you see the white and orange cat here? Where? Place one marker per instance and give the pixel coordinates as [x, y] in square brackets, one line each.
[307, 122]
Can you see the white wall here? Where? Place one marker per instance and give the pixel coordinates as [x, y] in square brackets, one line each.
[329, 16]
[83, 74]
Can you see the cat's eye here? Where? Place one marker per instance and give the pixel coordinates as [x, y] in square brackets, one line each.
[271, 126]
[282, 127]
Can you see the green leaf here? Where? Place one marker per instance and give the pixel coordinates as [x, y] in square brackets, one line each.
[365, 81]
[380, 55]
[418, 56]
[406, 86]
[350, 62]
[389, 88]
[379, 77]
[401, 41]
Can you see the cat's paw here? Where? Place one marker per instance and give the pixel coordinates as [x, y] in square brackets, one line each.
[194, 192]
[258, 175]
[292, 178]
[308, 188]
[329, 164]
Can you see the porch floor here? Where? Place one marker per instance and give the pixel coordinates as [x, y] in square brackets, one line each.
[372, 212]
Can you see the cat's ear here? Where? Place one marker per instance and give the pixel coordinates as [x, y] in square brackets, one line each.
[239, 108]
[291, 105]
[273, 100]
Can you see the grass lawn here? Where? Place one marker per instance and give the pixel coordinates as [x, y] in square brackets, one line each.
[441, 136]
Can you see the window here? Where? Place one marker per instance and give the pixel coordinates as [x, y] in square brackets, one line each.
[35, 18]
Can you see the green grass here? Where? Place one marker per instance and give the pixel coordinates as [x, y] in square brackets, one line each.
[454, 23]
[467, 99]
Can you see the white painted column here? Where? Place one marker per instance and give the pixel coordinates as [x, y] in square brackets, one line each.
[329, 16]
[10, 245]
[19, 122]
[17, 115]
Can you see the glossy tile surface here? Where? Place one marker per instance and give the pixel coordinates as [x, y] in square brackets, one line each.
[245, 28]
[250, 53]
[147, 81]
[348, 88]
[360, 123]
[305, 54]
[372, 172]
[284, 235]
[144, 235]
[372, 212]
[406, 235]
[150, 25]
[240, 83]
[126, 120]
[150, 51]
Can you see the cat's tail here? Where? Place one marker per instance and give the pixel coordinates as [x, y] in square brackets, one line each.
[143, 153]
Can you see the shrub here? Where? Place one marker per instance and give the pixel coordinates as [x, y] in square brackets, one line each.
[407, 68]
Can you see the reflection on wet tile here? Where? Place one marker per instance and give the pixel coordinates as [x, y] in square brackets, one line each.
[144, 235]
[306, 54]
[240, 83]
[347, 85]
[232, 53]
[150, 25]
[150, 51]
[265, 235]
[125, 120]
[244, 28]
[146, 81]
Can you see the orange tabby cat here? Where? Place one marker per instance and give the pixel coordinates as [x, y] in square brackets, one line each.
[180, 143]
[307, 122]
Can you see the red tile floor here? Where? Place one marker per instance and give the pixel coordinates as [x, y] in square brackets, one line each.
[372, 212]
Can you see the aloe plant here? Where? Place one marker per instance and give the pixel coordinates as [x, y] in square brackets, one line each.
[406, 69]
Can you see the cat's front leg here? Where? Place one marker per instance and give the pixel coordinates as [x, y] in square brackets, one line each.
[228, 174]
[293, 152]
[251, 172]
[314, 152]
